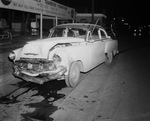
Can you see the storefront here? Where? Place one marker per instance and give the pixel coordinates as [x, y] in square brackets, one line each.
[42, 8]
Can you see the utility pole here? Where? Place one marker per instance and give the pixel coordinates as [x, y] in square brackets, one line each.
[92, 11]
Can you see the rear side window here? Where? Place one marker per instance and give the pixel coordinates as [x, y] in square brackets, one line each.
[103, 35]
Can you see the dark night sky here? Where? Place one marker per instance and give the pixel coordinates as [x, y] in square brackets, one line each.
[135, 11]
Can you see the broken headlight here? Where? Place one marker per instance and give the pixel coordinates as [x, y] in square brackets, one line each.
[12, 55]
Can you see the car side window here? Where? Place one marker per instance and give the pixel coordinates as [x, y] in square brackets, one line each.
[57, 32]
[70, 33]
[95, 34]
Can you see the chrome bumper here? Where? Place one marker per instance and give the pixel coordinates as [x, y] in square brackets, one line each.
[39, 76]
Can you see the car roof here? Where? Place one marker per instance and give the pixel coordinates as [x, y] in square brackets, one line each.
[85, 26]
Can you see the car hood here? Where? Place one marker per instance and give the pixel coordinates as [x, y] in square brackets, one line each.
[40, 48]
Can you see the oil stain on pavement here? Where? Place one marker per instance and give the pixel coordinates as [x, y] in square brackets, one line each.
[42, 108]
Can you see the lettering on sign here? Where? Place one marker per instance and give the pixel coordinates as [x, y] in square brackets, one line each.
[45, 7]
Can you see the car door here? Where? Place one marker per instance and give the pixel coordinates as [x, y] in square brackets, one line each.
[97, 47]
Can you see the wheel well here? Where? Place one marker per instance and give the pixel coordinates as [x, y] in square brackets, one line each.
[80, 65]
[106, 54]
[109, 52]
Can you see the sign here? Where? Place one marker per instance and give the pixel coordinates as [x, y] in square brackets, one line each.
[45, 7]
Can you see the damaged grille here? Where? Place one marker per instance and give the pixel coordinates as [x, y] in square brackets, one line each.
[34, 65]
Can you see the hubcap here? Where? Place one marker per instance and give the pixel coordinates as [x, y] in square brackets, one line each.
[74, 75]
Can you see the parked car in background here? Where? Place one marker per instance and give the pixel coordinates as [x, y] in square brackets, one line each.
[140, 31]
[69, 49]
[137, 32]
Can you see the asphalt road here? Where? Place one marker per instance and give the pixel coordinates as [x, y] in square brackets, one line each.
[119, 92]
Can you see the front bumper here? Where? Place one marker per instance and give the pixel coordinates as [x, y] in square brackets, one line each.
[38, 72]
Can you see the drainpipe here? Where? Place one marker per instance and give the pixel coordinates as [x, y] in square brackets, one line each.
[56, 21]
[41, 26]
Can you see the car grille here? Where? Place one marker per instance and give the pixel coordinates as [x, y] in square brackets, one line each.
[34, 65]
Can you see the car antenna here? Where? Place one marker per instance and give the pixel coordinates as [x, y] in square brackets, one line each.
[95, 25]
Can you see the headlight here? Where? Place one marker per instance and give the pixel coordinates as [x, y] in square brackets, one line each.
[12, 55]
[56, 58]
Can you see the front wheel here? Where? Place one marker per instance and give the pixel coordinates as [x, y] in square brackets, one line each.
[73, 77]
[109, 58]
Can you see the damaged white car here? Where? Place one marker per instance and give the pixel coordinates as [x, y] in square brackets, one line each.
[68, 50]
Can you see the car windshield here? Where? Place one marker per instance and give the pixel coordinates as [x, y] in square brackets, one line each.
[68, 32]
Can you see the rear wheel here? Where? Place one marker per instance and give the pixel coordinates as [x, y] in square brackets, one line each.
[72, 79]
[109, 58]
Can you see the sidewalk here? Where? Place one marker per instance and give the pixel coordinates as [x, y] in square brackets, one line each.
[8, 41]
[24, 37]
[16, 37]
